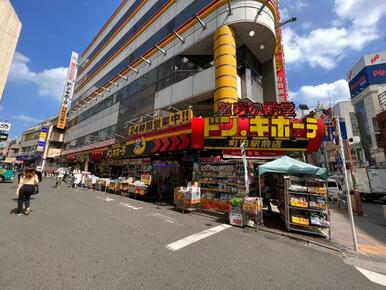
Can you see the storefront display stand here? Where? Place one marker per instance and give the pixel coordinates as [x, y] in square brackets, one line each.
[310, 229]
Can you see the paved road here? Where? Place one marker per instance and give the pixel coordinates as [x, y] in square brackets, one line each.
[374, 211]
[81, 239]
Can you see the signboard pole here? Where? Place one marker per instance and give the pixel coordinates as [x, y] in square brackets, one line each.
[350, 212]
[245, 168]
[325, 156]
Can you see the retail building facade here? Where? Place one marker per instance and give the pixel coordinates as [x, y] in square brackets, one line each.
[367, 81]
[172, 94]
[151, 55]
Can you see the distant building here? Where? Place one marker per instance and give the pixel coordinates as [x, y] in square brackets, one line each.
[382, 119]
[345, 110]
[10, 27]
[367, 81]
[13, 150]
[41, 145]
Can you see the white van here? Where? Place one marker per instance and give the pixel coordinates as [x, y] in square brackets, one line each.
[334, 189]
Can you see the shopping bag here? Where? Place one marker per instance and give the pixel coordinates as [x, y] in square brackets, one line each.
[36, 189]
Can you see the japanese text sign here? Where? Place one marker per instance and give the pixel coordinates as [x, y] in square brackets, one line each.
[175, 119]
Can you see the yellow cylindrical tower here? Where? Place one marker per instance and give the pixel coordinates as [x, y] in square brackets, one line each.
[226, 66]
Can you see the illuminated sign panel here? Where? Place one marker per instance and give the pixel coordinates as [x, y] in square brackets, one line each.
[370, 75]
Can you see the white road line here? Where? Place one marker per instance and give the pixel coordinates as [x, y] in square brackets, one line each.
[105, 198]
[165, 218]
[177, 245]
[129, 206]
[373, 276]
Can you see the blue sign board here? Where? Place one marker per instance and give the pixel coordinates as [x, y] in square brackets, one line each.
[370, 75]
[330, 131]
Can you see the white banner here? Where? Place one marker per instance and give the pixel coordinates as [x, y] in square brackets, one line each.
[5, 126]
[68, 91]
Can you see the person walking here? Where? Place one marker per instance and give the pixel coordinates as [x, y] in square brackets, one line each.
[25, 190]
[59, 177]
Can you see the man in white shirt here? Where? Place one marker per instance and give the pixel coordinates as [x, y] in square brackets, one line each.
[59, 178]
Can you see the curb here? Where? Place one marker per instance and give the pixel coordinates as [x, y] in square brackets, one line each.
[302, 239]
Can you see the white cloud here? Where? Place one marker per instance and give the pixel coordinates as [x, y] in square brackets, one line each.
[50, 82]
[284, 14]
[325, 47]
[325, 93]
[299, 4]
[25, 118]
[307, 25]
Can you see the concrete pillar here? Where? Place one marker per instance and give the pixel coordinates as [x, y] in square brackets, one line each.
[86, 164]
[226, 66]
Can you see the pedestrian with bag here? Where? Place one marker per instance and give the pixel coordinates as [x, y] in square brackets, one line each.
[28, 185]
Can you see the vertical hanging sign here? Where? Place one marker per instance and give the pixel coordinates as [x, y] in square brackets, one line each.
[280, 65]
[68, 91]
[42, 139]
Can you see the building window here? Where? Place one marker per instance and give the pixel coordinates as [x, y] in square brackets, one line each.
[376, 125]
[354, 124]
[378, 137]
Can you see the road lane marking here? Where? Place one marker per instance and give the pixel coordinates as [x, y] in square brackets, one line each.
[105, 198]
[129, 206]
[373, 276]
[177, 245]
[165, 218]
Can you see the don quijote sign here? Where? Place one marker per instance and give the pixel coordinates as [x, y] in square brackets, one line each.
[261, 127]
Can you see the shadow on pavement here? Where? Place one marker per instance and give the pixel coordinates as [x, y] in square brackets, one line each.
[13, 211]
[371, 229]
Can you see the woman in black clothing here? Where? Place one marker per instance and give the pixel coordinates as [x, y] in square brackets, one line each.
[25, 190]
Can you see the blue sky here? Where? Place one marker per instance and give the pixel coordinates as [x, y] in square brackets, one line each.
[328, 38]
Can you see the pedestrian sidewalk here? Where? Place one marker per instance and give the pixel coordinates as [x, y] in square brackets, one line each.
[371, 234]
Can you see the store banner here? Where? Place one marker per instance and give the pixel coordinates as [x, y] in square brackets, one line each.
[170, 142]
[172, 120]
[68, 91]
[281, 76]
[117, 151]
[369, 75]
[42, 139]
[258, 133]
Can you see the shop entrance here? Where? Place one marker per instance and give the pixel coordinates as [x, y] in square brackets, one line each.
[169, 173]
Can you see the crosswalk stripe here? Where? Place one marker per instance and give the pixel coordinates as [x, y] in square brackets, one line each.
[177, 245]
[373, 276]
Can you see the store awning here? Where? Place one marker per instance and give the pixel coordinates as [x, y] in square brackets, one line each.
[288, 165]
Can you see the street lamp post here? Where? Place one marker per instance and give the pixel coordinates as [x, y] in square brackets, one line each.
[292, 19]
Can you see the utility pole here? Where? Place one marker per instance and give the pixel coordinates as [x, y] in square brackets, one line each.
[349, 206]
[357, 196]
[325, 156]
